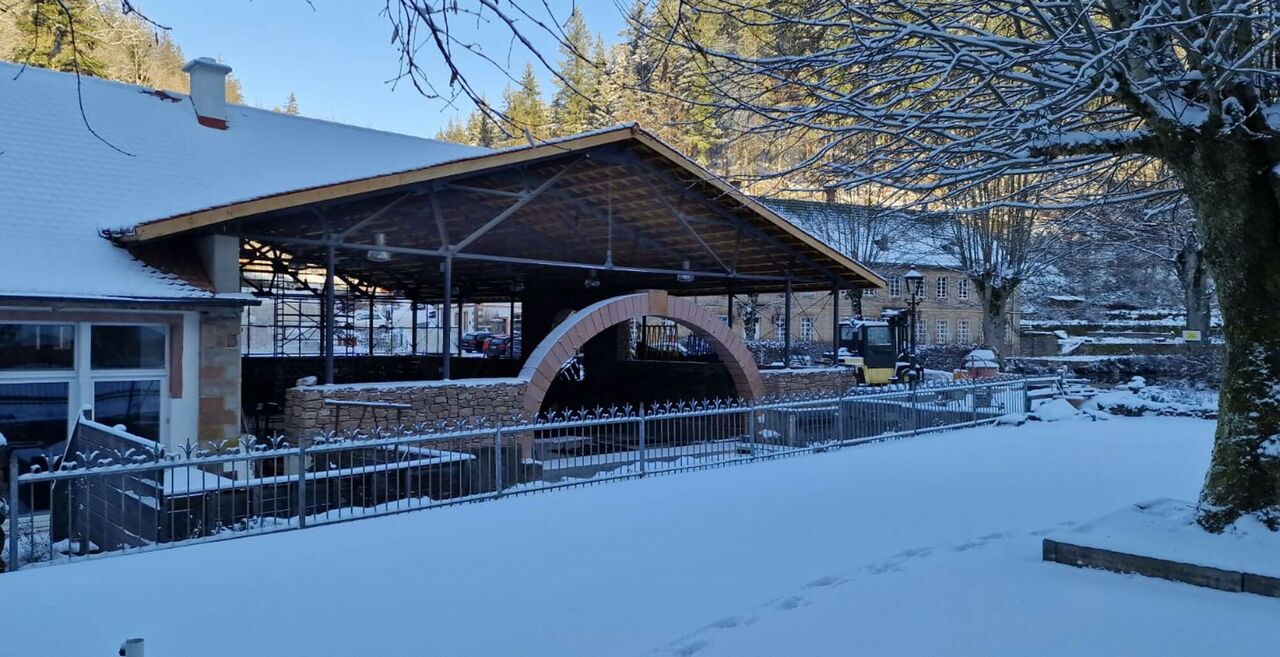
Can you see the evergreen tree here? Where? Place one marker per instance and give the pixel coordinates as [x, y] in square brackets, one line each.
[576, 87]
[290, 106]
[57, 35]
[454, 131]
[481, 130]
[525, 110]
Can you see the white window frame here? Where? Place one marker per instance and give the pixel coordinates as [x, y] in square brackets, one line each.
[962, 289]
[806, 329]
[941, 332]
[941, 287]
[779, 326]
[81, 378]
[963, 333]
[895, 286]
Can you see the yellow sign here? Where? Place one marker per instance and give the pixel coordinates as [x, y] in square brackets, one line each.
[1191, 336]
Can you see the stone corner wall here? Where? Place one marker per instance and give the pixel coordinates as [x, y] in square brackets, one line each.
[430, 401]
[220, 376]
[808, 383]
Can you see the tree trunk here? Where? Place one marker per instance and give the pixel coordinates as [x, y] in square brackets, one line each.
[995, 315]
[1233, 190]
[1197, 294]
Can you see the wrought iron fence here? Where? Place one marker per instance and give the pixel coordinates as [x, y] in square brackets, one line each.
[121, 494]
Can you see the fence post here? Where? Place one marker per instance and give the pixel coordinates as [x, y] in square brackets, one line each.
[497, 460]
[1026, 397]
[751, 428]
[973, 404]
[13, 514]
[915, 413]
[644, 452]
[302, 483]
[840, 417]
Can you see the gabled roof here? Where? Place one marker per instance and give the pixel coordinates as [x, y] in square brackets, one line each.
[905, 238]
[63, 185]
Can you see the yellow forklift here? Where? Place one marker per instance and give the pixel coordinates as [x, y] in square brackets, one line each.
[879, 349]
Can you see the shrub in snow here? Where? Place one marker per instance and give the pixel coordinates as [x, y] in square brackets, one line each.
[1156, 400]
[1055, 410]
[1012, 419]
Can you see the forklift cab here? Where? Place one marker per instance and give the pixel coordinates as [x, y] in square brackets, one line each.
[869, 346]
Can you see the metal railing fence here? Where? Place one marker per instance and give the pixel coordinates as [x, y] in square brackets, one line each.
[117, 497]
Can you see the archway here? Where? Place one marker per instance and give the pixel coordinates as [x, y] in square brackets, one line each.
[568, 337]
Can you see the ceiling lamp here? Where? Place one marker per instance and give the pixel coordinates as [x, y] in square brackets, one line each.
[379, 255]
[685, 276]
[591, 281]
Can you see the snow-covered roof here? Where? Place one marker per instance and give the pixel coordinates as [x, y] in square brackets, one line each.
[909, 238]
[63, 185]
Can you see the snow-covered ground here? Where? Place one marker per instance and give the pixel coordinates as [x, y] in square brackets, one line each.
[929, 546]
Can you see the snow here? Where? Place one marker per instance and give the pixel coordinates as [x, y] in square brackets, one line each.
[826, 554]
[1166, 529]
[1055, 410]
[63, 186]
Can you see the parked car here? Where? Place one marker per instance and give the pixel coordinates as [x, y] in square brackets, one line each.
[473, 341]
[502, 346]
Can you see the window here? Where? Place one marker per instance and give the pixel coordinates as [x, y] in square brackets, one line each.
[127, 347]
[48, 371]
[879, 336]
[869, 292]
[135, 404]
[35, 414]
[779, 326]
[895, 286]
[942, 287]
[922, 332]
[962, 331]
[37, 346]
[941, 335]
[724, 319]
[806, 328]
[962, 289]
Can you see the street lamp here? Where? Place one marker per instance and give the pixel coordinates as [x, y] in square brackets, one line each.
[915, 294]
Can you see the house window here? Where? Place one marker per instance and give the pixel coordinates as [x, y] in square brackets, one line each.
[779, 326]
[922, 332]
[962, 331]
[962, 289]
[869, 292]
[895, 286]
[724, 319]
[48, 371]
[941, 335]
[942, 287]
[806, 328]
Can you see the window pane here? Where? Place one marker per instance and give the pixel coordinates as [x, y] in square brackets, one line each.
[135, 404]
[127, 347]
[34, 413]
[37, 346]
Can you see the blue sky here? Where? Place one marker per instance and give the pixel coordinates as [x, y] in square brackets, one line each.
[337, 59]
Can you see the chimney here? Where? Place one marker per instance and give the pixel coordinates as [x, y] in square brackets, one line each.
[209, 91]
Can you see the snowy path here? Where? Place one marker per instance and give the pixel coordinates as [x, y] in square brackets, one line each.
[923, 547]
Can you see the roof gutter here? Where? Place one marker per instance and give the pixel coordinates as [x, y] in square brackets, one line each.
[182, 302]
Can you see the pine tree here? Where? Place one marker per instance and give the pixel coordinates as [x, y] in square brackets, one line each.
[454, 131]
[481, 130]
[576, 87]
[290, 106]
[525, 110]
[58, 35]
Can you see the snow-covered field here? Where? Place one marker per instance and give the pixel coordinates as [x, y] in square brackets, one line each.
[921, 547]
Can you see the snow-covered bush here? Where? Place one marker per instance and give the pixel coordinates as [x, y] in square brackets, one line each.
[1137, 399]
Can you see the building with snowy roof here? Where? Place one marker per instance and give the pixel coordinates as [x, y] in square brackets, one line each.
[145, 230]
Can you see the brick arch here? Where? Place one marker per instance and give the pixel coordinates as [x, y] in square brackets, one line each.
[568, 337]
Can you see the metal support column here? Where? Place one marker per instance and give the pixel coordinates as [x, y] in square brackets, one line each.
[413, 327]
[835, 322]
[730, 316]
[330, 308]
[371, 311]
[786, 320]
[461, 303]
[447, 310]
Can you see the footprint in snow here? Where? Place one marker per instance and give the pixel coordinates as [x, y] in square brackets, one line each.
[825, 580]
[993, 536]
[886, 567]
[691, 648]
[965, 547]
[726, 623]
[915, 552]
[790, 603]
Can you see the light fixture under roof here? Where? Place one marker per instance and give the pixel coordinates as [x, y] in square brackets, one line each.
[685, 276]
[379, 255]
[591, 281]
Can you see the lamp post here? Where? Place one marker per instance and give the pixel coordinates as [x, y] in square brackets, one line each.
[915, 294]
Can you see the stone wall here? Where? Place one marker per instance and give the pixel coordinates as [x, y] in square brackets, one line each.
[219, 375]
[429, 401]
[811, 382]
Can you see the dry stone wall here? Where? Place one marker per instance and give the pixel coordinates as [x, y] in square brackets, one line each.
[306, 414]
[818, 381]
